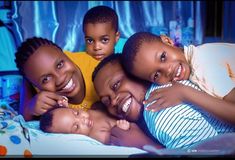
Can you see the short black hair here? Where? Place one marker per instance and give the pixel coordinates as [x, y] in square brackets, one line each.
[27, 48]
[46, 120]
[132, 46]
[111, 58]
[101, 14]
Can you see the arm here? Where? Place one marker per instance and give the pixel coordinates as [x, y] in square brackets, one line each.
[223, 109]
[134, 137]
[34, 104]
[27, 92]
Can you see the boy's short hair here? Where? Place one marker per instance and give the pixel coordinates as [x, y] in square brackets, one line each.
[110, 59]
[116, 58]
[27, 48]
[101, 14]
[132, 46]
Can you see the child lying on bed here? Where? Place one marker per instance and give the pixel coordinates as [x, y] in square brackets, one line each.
[95, 123]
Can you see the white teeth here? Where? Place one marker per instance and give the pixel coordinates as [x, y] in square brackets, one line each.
[179, 71]
[126, 105]
[69, 84]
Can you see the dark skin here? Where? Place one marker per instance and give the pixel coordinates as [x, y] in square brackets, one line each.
[123, 98]
[55, 76]
[166, 63]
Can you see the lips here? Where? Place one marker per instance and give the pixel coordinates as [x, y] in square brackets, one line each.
[99, 56]
[179, 73]
[69, 86]
[89, 123]
[124, 107]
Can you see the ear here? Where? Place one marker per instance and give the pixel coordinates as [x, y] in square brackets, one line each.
[117, 36]
[167, 40]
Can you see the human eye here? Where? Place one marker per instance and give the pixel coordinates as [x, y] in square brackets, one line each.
[89, 41]
[105, 40]
[45, 79]
[116, 85]
[105, 100]
[60, 64]
[156, 76]
[163, 57]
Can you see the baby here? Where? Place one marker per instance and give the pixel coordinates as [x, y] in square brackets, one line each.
[95, 123]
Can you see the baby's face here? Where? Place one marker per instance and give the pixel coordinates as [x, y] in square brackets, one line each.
[49, 69]
[122, 96]
[160, 62]
[100, 39]
[67, 120]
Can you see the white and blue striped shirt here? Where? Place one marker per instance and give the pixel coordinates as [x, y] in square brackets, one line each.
[183, 125]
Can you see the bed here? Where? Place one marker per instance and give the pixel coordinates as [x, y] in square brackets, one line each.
[25, 139]
[19, 138]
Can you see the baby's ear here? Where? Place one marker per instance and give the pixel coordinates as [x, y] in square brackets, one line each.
[167, 40]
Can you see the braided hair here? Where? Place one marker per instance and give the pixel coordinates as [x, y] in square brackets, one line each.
[29, 47]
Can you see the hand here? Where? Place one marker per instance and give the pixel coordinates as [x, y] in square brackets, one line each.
[123, 124]
[63, 102]
[166, 97]
[43, 101]
[134, 137]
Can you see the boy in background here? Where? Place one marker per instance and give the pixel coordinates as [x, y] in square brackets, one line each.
[100, 28]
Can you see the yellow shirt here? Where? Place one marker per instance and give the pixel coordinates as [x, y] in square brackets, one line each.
[86, 64]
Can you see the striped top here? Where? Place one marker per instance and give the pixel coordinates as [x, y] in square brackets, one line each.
[183, 125]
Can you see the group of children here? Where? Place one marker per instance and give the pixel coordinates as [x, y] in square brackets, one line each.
[51, 74]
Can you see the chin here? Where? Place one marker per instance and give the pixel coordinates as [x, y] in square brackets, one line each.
[136, 114]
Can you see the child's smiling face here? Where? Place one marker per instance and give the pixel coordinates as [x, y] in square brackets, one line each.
[160, 62]
[122, 96]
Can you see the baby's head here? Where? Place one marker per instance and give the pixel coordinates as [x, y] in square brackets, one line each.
[154, 58]
[100, 27]
[66, 120]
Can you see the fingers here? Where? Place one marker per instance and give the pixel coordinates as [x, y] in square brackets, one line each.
[123, 124]
[63, 102]
[153, 96]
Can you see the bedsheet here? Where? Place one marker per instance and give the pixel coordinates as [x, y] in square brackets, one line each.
[19, 138]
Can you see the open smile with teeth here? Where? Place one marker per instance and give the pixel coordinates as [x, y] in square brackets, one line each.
[179, 71]
[126, 105]
[69, 86]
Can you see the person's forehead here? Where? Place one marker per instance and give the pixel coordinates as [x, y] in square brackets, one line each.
[98, 28]
[110, 70]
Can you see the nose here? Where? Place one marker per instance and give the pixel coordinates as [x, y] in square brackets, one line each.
[168, 71]
[114, 100]
[59, 79]
[97, 46]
